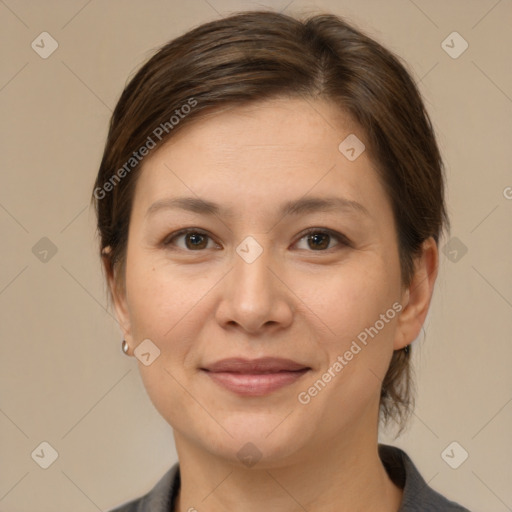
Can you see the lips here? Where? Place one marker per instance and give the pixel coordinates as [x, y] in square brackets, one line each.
[255, 366]
[256, 377]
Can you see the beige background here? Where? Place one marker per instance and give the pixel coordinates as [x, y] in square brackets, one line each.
[63, 377]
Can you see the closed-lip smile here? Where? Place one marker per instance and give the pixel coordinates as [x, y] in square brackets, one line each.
[255, 377]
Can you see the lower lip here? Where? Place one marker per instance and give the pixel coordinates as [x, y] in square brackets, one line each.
[247, 384]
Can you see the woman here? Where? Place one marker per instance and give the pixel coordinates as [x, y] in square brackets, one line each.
[269, 205]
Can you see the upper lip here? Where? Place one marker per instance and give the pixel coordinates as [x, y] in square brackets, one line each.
[260, 365]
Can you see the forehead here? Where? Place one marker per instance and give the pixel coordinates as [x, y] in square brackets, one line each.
[261, 154]
[292, 129]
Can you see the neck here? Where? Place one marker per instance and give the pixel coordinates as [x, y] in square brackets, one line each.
[333, 476]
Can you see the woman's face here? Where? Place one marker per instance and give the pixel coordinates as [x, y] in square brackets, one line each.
[215, 293]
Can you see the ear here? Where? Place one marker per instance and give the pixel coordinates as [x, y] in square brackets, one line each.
[417, 296]
[118, 294]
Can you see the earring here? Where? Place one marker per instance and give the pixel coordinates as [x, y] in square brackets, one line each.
[125, 347]
[406, 349]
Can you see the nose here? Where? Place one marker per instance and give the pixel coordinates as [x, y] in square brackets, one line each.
[255, 297]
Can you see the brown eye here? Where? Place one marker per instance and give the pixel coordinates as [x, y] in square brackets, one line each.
[193, 240]
[319, 240]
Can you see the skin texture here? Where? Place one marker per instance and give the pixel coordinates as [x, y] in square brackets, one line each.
[294, 301]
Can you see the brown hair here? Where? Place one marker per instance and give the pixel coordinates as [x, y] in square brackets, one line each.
[260, 55]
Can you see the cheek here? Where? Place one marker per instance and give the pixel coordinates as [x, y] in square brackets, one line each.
[350, 298]
[156, 305]
[164, 307]
[159, 298]
[356, 310]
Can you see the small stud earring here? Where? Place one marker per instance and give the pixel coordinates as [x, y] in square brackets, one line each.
[125, 347]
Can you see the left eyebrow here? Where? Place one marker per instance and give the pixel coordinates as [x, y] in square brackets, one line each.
[322, 204]
[300, 206]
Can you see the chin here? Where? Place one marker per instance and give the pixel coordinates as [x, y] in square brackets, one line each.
[260, 441]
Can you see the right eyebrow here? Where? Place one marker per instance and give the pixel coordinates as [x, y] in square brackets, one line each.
[191, 204]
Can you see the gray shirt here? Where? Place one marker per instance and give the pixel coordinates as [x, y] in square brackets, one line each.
[417, 495]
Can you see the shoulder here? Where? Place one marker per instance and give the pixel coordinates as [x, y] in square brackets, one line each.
[159, 498]
[417, 495]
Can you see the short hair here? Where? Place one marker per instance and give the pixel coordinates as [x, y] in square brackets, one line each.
[259, 55]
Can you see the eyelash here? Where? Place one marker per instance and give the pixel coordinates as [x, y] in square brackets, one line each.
[342, 240]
